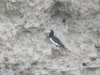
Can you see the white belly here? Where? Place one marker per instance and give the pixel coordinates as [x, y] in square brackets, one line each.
[54, 42]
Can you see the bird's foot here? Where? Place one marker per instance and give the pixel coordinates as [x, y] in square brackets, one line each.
[59, 49]
[54, 45]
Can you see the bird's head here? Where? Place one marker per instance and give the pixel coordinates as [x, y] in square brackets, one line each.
[51, 33]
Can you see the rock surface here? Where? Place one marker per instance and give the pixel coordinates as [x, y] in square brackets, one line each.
[25, 48]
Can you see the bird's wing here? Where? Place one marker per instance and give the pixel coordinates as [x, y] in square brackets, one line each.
[57, 41]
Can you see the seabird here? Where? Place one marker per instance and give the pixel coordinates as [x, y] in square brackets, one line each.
[55, 41]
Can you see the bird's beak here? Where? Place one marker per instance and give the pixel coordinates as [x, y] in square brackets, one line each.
[48, 31]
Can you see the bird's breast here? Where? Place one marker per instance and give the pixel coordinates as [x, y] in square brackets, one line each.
[54, 42]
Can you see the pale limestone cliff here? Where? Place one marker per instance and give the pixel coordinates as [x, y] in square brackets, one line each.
[25, 48]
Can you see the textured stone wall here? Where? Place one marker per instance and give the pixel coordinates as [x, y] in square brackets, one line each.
[25, 48]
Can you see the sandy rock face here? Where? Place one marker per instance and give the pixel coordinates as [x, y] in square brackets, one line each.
[25, 48]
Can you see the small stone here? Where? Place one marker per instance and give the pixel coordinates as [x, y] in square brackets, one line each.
[63, 72]
[7, 66]
[0, 67]
[6, 59]
[97, 45]
[45, 68]
[57, 4]
[14, 68]
[15, 74]
[9, 49]
[57, 12]
[28, 69]
[92, 59]
[64, 20]
[34, 63]
[13, 0]
[84, 64]
[21, 72]
[16, 64]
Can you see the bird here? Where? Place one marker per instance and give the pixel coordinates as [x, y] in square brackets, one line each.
[55, 41]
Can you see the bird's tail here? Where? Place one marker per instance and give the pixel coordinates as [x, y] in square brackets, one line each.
[63, 46]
